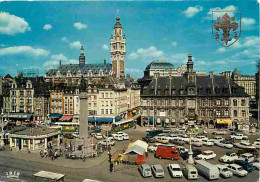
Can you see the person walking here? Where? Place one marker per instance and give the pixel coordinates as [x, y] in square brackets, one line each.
[111, 167]
[109, 157]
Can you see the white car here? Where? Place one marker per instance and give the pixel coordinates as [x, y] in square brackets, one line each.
[237, 170]
[157, 171]
[217, 139]
[153, 148]
[256, 145]
[206, 155]
[229, 157]
[75, 134]
[145, 170]
[172, 136]
[107, 142]
[196, 142]
[244, 145]
[223, 170]
[256, 164]
[238, 136]
[185, 138]
[224, 145]
[175, 170]
[207, 142]
[219, 132]
[247, 157]
[125, 135]
[98, 136]
[200, 138]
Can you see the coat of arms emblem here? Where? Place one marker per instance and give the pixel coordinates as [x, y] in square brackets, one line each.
[226, 27]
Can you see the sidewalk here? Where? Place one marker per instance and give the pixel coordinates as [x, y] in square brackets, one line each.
[61, 161]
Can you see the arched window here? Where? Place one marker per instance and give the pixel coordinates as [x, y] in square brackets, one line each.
[235, 102]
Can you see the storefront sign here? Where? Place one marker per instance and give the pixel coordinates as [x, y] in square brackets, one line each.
[224, 121]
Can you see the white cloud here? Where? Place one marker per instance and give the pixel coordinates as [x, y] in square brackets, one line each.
[64, 39]
[105, 47]
[218, 14]
[56, 58]
[192, 11]
[133, 70]
[47, 27]
[221, 50]
[149, 53]
[27, 50]
[174, 44]
[75, 45]
[11, 24]
[80, 26]
[247, 21]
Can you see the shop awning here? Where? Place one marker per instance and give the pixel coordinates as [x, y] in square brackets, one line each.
[224, 121]
[55, 115]
[18, 115]
[118, 118]
[104, 120]
[66, 118]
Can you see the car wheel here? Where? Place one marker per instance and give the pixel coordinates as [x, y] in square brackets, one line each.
[159, 157]
[173, 159]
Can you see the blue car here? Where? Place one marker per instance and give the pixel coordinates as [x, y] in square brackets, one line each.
[245, 165]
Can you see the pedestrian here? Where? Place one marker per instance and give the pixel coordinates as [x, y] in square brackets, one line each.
[111, 167]
[109, 157]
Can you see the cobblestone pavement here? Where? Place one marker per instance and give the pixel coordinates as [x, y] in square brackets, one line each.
[98, 168]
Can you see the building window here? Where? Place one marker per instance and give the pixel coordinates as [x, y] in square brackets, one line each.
[145, 112]
[173, 102]
[218, 113]
[102, 95]
[218, 102]
[106, 111]
[102, 103]
[226, 102]
[111, 111]
[181, 92]
[173, 92]
[235, 113]
[190, 91]
[243, 113]
[106, 95]
[243, 102]
[102, 111]
[226, 112]
[235, 102]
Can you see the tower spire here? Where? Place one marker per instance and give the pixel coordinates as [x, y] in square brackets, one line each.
[82, 57]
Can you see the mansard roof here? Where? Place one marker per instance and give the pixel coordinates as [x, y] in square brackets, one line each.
[217, 85]
[85, 69]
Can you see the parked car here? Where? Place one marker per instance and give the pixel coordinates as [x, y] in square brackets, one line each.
[247, 157]
[207, 142]
[177, 141]
[76, 134]
[158, 171]
[208, 154]
[162, 139]
[229, 157]
[149, 139]
[244, 145]
[153, 148]
[256, 164]
[196, 143]
[245, 165]
[257, 145]
[201, 137]
[249, 150]
[229, 140]
[145, 170]
[219, 132]
[185, 155]
[237, 170]
[181, 149]
[190, 172]
[167, 153]
[238, 136]
[224, 144]
[185, 138]
[175, 170]
[172, 136]
[107, 142]
[223, 170]
[98, 136]
[125, 135]
[207, 169]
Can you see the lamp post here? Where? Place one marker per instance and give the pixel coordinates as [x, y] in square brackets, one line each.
[190, 153]
[2, 120]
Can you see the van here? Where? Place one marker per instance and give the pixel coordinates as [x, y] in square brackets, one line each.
[190, 172]
[167, 152]
[207, 169]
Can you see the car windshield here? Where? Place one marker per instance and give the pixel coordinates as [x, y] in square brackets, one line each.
[240, 169]
[159, 170]
[224, 170]
[176, 169]
[193, 172]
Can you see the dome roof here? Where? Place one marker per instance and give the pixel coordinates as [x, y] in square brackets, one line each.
[236, 72]
[160, 65]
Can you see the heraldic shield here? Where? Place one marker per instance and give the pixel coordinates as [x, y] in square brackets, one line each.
[226, 27]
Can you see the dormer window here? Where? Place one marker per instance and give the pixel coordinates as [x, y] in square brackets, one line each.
[166, 91]
[190, 91]
[181, 92]
[173, 92]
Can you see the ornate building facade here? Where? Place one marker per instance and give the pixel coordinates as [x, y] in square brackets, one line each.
[214, 100]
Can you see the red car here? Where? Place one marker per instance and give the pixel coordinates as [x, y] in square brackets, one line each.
[167, 152]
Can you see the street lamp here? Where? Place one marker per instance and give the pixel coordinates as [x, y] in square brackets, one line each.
[2, 120]
[190, 153]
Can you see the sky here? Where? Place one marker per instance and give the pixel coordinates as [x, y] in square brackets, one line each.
[39, 34]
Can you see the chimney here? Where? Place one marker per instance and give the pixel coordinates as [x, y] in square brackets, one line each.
[211, 74]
